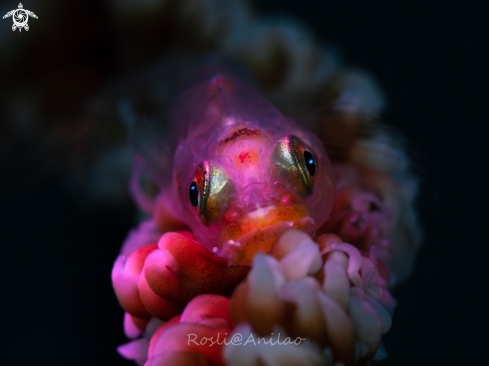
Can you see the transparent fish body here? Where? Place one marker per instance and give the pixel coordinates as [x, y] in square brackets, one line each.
[243, 173]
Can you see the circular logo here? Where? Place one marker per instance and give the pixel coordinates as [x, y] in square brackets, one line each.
[20, 18]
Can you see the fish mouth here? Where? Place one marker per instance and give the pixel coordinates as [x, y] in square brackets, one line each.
[258, 230]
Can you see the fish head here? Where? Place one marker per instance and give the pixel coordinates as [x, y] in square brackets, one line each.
[251, 177]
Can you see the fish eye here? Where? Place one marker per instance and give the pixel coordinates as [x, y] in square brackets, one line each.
[310, 163]
[294, 165]
[193, 194]
[209, 192]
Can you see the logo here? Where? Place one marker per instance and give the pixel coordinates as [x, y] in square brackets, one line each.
[20, 17]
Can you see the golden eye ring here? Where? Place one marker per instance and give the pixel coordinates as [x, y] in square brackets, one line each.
[208, 192]
[294, 165]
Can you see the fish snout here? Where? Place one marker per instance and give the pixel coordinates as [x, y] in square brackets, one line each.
[254, 197]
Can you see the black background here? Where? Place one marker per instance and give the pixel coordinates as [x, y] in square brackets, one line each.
[58, 306]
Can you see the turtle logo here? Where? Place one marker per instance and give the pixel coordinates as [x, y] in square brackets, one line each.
[20, 17]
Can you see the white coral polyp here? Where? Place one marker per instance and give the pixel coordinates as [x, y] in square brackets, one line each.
[340, 305]
[274, 350]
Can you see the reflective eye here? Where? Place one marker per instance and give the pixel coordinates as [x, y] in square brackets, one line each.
[193, 194]
[310, 163]
[209, 192]
[294, 166]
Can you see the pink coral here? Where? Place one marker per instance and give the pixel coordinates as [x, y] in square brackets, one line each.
[340, 303]
[159, 280]
[327, 296]
[195, 338]
[156, 281]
